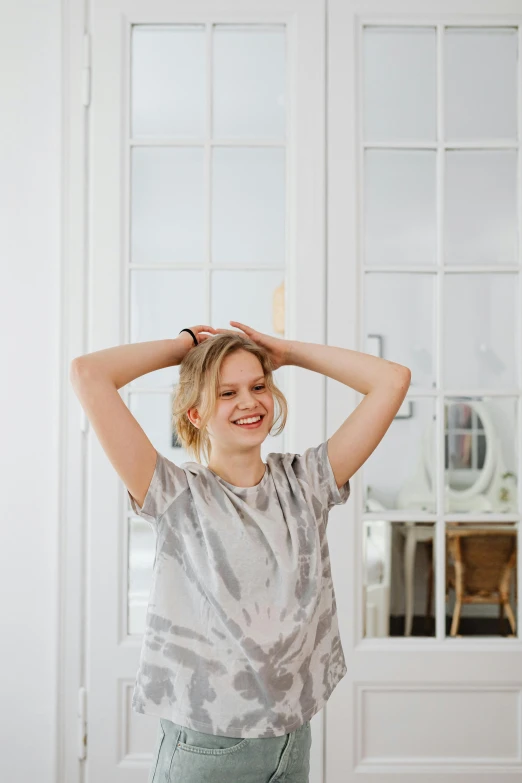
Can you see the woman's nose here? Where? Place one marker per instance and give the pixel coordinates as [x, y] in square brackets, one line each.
[248, 403]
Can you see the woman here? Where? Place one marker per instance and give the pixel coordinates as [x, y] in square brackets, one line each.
[242, 644]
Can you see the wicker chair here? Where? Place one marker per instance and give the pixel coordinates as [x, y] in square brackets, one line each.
[484, 562]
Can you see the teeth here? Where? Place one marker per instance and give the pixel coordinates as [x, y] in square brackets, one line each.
[248, 421]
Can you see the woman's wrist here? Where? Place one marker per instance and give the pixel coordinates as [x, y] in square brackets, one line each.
[292, 352]
[182, 345]
[360, 371]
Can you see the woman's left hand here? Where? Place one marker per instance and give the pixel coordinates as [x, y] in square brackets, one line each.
[277, 349]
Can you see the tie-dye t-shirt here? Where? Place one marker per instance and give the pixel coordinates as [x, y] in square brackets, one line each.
[241, 635]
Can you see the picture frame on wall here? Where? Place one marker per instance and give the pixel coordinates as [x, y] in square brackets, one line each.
[405, 411]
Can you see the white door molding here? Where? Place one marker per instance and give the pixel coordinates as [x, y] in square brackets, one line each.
[73, 441]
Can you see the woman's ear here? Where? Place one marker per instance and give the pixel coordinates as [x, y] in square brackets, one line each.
[193, 416]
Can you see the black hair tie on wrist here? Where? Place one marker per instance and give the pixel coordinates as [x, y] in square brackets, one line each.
[193, 335]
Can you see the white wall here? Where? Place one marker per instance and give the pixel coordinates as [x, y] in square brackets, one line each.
[30, 128]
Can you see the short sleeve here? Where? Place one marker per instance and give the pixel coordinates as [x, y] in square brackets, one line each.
[166, 484]
[315, 465]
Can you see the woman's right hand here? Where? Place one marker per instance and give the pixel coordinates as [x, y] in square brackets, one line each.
[200, 331]
[277, 348]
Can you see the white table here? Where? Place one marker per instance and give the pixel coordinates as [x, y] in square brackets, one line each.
[413, 532]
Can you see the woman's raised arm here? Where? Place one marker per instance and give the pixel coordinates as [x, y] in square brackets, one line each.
[384, 384]
[96, 378]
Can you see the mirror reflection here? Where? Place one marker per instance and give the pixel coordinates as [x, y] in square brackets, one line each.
[480, 455]
[405, 483]
[398, 578]
[481, 579]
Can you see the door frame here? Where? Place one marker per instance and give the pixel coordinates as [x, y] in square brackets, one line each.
[73, 423]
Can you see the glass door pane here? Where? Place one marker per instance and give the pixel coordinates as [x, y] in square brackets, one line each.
[207, 172]
[399, 84]
[249, 82]
[168, 81]
[480, 85]
[440, 210]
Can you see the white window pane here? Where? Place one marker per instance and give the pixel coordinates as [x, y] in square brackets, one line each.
[248, 206]
[161, 304]
[400, 207]
[399, 484]
[399, 83]
[142, 546]
[153, 411]
[481, 207]
[480, 84]
[249, 81]
[401, 308]
[168, 88]
[168, 205]
[245, 296]
[479, 331]
[250, 298]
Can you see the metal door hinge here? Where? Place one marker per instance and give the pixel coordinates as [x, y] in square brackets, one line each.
[82, 723]
[86, 70]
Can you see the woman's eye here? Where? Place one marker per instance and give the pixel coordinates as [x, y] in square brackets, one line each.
[260, 386]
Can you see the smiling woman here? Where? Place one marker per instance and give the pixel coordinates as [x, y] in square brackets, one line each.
[244, 400]
[230, 616]
[226, 379]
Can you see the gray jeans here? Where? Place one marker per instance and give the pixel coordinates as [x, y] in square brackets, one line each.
[187, 756]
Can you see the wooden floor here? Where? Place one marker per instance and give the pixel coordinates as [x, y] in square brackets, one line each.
[468, 626]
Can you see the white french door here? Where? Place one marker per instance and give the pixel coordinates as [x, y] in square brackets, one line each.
[342, 172]
[424, 268]
[206, 204]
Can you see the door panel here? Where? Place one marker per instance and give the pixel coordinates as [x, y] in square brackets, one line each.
[423, 187]
[206, 205]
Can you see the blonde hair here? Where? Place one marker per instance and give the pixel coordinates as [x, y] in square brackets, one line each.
[198, 387]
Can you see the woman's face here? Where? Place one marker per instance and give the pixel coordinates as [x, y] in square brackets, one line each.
[242, 394]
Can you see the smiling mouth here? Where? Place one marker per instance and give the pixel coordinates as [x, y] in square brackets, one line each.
[252, 425]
